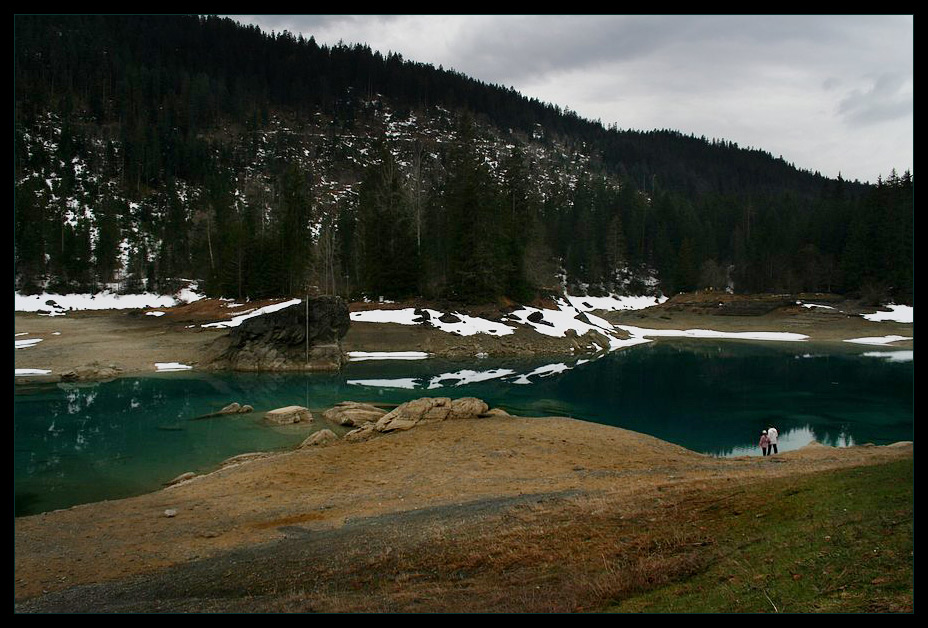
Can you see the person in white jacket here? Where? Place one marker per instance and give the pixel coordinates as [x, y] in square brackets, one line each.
[772, 437]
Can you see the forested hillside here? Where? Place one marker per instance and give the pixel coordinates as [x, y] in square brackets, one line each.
[152, 149]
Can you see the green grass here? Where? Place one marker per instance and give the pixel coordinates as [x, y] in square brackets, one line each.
[838, 542]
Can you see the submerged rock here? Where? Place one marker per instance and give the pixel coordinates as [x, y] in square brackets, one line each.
[236, 408]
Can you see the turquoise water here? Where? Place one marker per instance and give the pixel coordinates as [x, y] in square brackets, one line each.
[76, 444]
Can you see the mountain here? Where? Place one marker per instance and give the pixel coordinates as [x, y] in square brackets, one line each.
[154, 149]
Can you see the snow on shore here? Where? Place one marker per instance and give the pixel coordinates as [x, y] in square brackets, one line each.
[237, 320]
[62, 303]
[172, 366]
[465, 325]
[708, 333]
[573, 314]
[613, 303]
[26, 372]
[897, 314]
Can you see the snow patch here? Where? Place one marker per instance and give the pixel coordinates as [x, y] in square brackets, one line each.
[26, 342]
[21, 372]
[466, 325]
[897, 314]
[708, 333]
[238, 320]
[613, 303]
[99, 301]
[172, 366]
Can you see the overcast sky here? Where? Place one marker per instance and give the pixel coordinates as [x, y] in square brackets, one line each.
[827, 93]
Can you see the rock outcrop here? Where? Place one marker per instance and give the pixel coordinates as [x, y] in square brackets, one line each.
[288, 415]
[412, 413]
[419, 411]
[92, 372]
[286, 341]
[353, 414]
[319, 439]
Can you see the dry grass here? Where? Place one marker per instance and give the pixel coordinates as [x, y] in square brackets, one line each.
[586, 555]
[560, 556]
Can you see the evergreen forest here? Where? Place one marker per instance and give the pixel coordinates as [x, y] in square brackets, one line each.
[155, 150]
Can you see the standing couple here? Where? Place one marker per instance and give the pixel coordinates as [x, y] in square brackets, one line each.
[768, 441]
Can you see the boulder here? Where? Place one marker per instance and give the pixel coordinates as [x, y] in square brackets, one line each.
[411, 413]
[353, 413]
[288, 415]
[364, 432]
[232, 408]
[94, 371]
[278, 341]
[467, 408]
[596, 338]
[449, 318]
[424, 409]
[396, 424]
[320, 438]
[539, 318]
[496, 412]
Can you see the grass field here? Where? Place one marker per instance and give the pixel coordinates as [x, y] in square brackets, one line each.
[836, 542]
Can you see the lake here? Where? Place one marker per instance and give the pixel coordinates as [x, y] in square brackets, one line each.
[80, 443]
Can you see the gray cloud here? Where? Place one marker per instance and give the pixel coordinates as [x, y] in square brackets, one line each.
[812, 88]
[890, 97]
